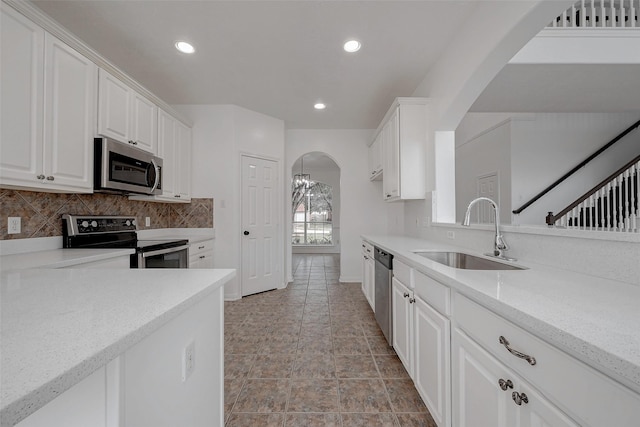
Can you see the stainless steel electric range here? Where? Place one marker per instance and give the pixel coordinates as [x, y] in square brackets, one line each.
[95, 232]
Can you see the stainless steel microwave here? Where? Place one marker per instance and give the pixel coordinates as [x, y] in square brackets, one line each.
[120, 168]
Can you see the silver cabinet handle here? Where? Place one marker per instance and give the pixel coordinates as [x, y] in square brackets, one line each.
[201, 247]
[41, 176]
[406, 294]
[177, 196]
[133, 142]
[412, 300]
[504, 385]
[202, 257]
[519, 398]
[50, 178]
[505, 343]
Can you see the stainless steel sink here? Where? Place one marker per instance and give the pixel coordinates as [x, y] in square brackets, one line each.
[466, 261]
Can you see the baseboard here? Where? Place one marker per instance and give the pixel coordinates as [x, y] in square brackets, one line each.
[350, 279]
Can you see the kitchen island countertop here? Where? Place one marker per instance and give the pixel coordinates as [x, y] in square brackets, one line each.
[595, 320]
[58, 326]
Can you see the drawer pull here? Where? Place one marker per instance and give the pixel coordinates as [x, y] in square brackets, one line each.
[412, 300]
[530, 359]
[504, 385]
[406, 295]
[519, 398]
[202, 257]
[200, 247]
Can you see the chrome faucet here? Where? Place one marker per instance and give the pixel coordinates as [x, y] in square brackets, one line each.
[499, 245]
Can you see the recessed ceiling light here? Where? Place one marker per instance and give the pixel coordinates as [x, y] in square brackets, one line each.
[319, 106]
[352, 46]
[185, 47]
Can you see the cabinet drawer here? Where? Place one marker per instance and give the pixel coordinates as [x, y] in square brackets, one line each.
[196, 248]
[576, 388]
[403, 273]
[367, 249]
[433, 292]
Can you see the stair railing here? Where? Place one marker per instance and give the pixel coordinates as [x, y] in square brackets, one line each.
[599, 14]
[576, 168]
[612, 205]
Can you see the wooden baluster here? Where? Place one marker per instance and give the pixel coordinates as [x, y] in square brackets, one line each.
[621, 14]
[601, 209]
[627, 210]
[609, 204]
[603, 14]
[612, 15]
[583, 18]
[620, 204]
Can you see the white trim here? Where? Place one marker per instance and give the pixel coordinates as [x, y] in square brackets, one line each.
[350, 279]
[543, 230]
[45, 21]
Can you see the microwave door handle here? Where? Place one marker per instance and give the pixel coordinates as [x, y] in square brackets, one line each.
[164, 251]
[157, 180]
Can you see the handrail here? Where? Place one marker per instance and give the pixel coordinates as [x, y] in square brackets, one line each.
[576, 168]
[551, 218]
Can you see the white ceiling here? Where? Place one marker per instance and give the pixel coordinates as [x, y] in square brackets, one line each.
[274, 57]
[563, 88]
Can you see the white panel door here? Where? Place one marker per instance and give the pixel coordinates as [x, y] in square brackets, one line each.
[260, 257]
[166, 149]
[144, 124]
[114, 107]
[21, 80]
[488, 186]
[402, 314]
[478, 399]
[183, 161]
[432, 373]
[69, 126]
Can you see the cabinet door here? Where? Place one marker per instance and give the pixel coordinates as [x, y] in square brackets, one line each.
[21, 80]
[375, 157]
[432, 361]
[144, 123]
[371, 295]
[365, 277]
[402, 315]
[539, 412]
[183, 161]
[478, 400]
[166, 150]
[391, 180]
[70, 93]
[114, 107]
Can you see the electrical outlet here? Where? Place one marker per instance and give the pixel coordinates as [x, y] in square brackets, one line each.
[451, 235]
[188, 360]
[147, 221]
[14, 225]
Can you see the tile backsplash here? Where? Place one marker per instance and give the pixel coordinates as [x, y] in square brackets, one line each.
[40, 212]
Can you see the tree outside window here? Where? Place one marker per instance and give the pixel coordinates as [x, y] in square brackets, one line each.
[312, 214]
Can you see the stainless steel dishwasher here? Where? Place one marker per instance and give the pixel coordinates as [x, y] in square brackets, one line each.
[384, 267]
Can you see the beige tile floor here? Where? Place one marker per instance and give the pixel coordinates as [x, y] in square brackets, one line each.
[312, 355]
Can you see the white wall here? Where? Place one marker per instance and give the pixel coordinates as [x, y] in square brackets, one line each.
[332, 178]
[486, 153]
[362, 208]
[221, 133]
[534, 150]
[545, 148]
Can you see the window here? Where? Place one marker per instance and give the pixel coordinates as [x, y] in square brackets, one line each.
[312, 211]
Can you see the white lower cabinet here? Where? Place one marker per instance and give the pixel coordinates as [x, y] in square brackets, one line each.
[432, 360]
[402, 300]
[487, 393]
[201, 254]
[368, 274]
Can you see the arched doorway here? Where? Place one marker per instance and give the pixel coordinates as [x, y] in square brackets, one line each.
[315, 205]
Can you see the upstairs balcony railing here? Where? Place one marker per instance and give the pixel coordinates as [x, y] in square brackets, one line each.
[599, 14]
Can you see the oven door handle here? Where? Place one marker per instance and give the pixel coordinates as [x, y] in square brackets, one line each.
[164, 251]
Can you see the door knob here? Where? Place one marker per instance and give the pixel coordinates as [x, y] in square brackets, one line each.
[246, 233]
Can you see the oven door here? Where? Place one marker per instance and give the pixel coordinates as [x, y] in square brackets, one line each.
[177, 257]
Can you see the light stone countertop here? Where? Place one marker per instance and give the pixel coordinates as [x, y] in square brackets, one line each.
[595, 320]
[59, 326]
[59, 258]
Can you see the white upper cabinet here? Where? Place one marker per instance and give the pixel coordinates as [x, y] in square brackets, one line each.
[174, 147]
[69, 126]
[403, 139]
[125, 115]
[375, 159]
[48, 107]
